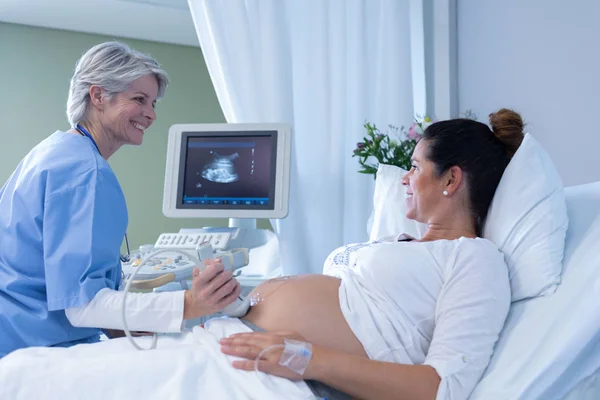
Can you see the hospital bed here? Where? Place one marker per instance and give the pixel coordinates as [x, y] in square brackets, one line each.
[549, 348]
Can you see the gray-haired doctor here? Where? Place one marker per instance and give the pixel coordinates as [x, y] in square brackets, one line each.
[63, 218]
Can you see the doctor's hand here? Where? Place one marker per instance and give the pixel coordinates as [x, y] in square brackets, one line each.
[212, 290]
[250, 345]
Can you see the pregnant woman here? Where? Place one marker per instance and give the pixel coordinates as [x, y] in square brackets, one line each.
[404, 318]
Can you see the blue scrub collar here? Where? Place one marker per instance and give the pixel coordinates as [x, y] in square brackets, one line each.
[84, 132]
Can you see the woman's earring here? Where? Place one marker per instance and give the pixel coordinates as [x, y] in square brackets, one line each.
[445, 193]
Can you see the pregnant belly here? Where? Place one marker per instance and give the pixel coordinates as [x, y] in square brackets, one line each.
[308, 305]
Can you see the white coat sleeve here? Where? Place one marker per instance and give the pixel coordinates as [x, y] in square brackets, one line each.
[146, 312]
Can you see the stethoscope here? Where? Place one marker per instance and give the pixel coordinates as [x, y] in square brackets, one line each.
[84, 132]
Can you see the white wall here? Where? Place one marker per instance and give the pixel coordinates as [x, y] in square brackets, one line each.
[542, 58]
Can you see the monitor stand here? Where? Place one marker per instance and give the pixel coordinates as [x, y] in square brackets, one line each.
[244, 223]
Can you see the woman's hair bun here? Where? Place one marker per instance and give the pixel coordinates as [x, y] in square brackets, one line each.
[507, 125]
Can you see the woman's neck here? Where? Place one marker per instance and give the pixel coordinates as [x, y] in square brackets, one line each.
[106, 146]
[435, 233]
[453, 228]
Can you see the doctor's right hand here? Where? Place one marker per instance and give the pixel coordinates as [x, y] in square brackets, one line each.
[212, 290]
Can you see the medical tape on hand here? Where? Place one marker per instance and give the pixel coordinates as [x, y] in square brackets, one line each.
[296, 355]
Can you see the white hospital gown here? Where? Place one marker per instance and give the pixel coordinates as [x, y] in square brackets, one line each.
[440, 303]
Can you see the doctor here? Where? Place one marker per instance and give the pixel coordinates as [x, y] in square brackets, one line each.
[63, 218]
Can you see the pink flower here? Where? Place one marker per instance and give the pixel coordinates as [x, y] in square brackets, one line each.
[414, 132]
[417, 129]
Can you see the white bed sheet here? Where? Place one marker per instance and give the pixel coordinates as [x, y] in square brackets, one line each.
[549, 345]
[186, 366]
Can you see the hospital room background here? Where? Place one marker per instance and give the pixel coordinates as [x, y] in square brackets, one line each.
[536, 56]
[539, 57]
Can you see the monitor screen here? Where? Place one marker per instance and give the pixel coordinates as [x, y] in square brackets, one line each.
[225, 170]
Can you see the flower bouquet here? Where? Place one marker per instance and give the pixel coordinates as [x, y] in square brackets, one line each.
[394, 147]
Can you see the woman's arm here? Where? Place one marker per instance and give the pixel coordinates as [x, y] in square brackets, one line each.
[368, 379]
[360, 377]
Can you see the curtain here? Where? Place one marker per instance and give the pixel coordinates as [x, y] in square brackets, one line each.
[326, 67]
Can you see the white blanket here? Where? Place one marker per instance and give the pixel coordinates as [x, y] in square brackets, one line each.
[189, 365]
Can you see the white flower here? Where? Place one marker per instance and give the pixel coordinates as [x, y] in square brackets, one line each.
[424, 125]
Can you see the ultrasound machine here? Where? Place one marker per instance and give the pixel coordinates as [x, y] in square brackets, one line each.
[235, 171]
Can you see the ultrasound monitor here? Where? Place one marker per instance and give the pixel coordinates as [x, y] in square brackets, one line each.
[227, 171]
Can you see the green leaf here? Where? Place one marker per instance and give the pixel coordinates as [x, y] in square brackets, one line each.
[383, 148]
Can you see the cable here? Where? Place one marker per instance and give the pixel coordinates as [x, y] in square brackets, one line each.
[126, 257]
[127, 245]
[128, 285]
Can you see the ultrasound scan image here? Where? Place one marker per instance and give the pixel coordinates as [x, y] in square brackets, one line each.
[221, 169]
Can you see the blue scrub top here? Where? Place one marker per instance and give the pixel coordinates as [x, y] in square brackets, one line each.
[62, 221]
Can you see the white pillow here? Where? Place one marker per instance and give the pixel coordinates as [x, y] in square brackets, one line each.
[527, 219]
[389, 206]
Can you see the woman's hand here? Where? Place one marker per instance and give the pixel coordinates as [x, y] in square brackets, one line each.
[250, 345]
[212, 290]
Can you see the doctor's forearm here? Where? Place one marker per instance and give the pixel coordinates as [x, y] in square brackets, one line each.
[367, 379]
[151, 312]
